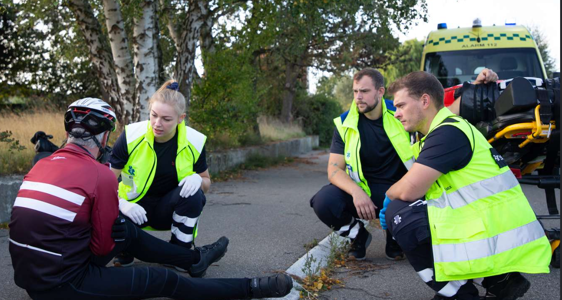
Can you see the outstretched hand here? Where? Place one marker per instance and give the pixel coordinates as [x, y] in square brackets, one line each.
[486, 76]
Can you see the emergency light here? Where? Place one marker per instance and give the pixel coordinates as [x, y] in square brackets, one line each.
[441, 26]
[476, 23]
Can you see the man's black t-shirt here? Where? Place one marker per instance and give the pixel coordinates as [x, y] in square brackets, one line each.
[379, 161]
[166, 176]
[446, 149]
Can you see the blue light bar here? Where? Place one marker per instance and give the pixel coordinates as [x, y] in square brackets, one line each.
[510, 24]
[441, 26]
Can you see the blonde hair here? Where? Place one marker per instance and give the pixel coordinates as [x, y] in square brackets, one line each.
[169, 96]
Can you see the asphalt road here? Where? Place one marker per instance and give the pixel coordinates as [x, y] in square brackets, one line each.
[267, 217]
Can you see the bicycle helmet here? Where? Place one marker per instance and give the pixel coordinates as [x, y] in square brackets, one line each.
[92, 114]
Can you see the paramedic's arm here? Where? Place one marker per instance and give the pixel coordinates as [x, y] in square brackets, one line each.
[338, 177]
[486, 76]
[206, 181]
[415, 184]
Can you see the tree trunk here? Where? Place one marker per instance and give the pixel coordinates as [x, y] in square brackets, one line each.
[145, 59]
[122, 58]
[168, 13]
[100, 54]
[290, 89]
[207, 42]
[185, 65]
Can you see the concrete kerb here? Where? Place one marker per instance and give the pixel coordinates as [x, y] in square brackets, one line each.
[320, 252]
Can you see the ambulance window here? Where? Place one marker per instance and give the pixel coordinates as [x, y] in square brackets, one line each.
[478, 70]
[508, 63]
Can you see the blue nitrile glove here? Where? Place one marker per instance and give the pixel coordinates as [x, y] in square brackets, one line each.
[382, 213]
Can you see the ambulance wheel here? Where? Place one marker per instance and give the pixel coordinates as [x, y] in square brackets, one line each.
[555, 262]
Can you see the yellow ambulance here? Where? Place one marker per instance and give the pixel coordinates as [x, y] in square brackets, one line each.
[458, 55]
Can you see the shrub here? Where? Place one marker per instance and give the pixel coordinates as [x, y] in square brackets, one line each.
[317, 113]
[225, 102]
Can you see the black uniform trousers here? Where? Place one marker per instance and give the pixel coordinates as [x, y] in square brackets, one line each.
[409, 224]
[335, 208]
[176, 213]
[100, 282]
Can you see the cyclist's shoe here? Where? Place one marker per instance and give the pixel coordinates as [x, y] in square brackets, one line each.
[359, 245]
[209, 254]
[123, 260]
[273, 286]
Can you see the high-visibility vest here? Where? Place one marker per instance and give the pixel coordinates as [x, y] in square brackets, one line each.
[137, 175]
[346, 125]
[481, 222]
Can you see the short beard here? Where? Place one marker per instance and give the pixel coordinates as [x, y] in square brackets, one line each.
[369, 108]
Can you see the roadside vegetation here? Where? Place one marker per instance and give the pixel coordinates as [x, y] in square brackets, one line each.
[317, 278]
[17, 152]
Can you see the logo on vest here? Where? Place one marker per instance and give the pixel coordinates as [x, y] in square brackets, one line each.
[131, 171]
[397, 219]
[348, 155]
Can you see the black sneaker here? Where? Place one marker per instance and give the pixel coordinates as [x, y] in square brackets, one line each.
[392, 250]
[123, 260]
[273, 286]
[209, 254]
[510, 287]
[359, 245]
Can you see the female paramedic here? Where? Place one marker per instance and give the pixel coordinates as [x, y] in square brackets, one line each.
[163, 170]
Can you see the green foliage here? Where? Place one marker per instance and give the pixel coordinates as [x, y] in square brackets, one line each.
[225, 103]
[14, 145]
[403, 60]
[42, 54]
[317, 113]
[338, 87]
[542, 44]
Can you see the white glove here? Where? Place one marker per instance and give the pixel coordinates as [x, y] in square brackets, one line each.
[133, 211]
[191, 185]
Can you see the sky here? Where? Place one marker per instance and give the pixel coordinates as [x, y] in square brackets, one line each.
[544, 14]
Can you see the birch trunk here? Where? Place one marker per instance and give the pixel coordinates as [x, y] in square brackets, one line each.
[122, 59]
[207, 42]
[168, 13]
[99, 52]
[145, 59]
[185, 65]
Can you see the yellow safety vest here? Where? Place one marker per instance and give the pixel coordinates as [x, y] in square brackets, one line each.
[137, 175]
[346, 125]
[481, 222]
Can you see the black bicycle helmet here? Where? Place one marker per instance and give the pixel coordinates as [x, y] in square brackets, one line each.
[92, 114]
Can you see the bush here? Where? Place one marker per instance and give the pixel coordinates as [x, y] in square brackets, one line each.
[317, 113]
[225, 103]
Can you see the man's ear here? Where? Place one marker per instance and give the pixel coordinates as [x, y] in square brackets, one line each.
[426, 101]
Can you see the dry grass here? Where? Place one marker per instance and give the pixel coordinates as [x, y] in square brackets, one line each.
[23, 126]
[274, 130]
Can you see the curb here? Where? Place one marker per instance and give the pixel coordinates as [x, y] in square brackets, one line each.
[319, 252]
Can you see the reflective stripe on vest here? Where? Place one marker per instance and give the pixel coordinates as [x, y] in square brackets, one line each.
[346, 124]
[478, 190]
[491, 246]
[481, 222]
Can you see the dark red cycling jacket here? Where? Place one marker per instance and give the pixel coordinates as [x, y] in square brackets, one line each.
[62, 216]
